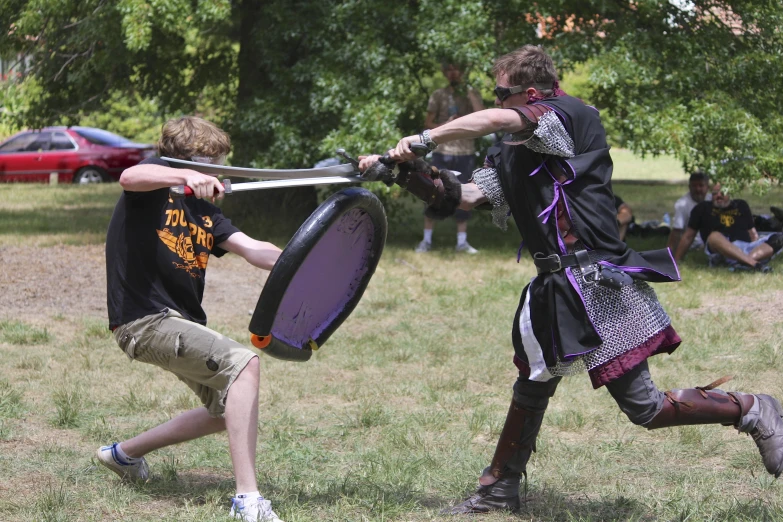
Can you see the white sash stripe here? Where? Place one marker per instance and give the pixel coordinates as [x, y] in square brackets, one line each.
[535, 356]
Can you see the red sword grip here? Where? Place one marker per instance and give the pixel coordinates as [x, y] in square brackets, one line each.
[183, 191]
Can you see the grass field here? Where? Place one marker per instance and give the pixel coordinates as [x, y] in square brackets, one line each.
[396, 415]
[628, 166]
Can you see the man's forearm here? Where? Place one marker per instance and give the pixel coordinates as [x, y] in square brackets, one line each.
[682, 248]
[471, 196]
[144, 178]
[674, 239]
[478, 124]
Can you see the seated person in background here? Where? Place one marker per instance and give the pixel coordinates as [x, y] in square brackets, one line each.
[698, 191]
[624, 215]
[726, 227]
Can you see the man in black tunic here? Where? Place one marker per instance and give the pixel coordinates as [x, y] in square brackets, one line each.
[590, 307]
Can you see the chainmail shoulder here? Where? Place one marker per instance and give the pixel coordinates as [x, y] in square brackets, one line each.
[624, 319]
[488, 182]
[551, 137]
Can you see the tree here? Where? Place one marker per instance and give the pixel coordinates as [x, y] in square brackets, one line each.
[294, 80]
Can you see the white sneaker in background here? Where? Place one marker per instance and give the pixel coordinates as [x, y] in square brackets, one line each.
[465, 248]
[424, 246]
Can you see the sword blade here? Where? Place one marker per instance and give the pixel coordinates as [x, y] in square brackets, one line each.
[344, 169]
[304, 182]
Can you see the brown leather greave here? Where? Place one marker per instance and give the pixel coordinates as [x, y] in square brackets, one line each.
[701, 405]
[517, 441]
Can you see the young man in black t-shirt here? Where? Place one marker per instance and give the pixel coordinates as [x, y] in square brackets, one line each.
[157, 250]
[727, 229]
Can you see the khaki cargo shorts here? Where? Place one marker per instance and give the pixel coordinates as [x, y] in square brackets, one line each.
[205, 360]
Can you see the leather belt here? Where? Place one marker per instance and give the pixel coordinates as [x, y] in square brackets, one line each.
[555, 263]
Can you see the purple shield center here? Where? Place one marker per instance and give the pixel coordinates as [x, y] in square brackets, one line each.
[326, 281]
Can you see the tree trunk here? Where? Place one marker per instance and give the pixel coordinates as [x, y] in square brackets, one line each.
[259, 212]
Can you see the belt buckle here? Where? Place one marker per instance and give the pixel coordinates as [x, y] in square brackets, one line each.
[555, 257]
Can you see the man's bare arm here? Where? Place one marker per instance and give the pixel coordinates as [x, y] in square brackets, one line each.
[754, 235]
[474, 125]
[258, 253]
[685, 243]
[674, 239]
[471, 197]
[147, 177]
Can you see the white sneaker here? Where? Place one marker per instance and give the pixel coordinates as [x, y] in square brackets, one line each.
[253, 510]
[465, 248]
[424, 246]
[132, 471]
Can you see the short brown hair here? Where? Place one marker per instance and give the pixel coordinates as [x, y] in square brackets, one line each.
[529, 65]
[189, 136]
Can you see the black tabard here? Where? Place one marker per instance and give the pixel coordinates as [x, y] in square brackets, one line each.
[529, 181]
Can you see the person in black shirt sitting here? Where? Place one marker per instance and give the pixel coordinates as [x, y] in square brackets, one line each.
[727, 228]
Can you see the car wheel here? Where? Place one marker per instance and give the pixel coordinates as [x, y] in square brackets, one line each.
[87, 175]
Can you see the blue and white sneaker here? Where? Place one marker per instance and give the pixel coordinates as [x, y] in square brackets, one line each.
[133, 470]
[253, 510]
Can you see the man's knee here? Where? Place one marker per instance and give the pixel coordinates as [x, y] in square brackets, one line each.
[534, 395]
[637, 396]
[251, 370]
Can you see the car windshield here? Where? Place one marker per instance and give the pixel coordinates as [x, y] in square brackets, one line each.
[101, 137]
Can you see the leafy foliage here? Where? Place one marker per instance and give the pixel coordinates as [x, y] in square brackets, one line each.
[293, 81]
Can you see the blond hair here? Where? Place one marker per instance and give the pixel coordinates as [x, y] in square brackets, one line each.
[528, 66]
[190, 136]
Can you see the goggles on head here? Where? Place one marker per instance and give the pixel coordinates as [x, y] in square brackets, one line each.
[504, 92]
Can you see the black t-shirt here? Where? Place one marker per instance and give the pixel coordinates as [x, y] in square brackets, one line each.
[157, 249]
[734, 221]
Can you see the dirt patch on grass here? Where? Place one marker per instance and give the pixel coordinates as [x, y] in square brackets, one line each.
[40, 283]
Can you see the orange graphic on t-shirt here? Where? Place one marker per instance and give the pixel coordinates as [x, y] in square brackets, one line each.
[726, 220]
[182, 245]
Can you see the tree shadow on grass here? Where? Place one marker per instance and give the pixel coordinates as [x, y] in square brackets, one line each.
[542, 505]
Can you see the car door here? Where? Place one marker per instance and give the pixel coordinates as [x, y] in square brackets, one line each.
[21, 158]
[62, 157]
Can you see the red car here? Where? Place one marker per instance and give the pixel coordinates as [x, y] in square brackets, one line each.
[74, 154]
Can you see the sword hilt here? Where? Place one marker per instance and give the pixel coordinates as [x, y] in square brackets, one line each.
[352, 161]
[183, 191]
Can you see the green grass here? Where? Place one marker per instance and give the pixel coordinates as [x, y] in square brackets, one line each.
[398, 413]
[628, 166]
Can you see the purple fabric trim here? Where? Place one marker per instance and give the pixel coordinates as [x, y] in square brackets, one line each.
[679, 277]
[536, 171]
[558, 186]
[519, 251]
[556, 111]
[568, 211]
[665, 341]
[573, 170]
[637, 269]
[596, 110]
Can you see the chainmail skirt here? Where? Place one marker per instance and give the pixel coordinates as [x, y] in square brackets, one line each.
[624, 319]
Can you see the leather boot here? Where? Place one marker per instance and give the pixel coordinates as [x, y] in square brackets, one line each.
[757, 415]
[499, 483]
